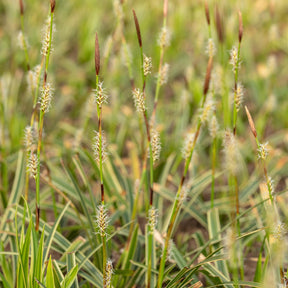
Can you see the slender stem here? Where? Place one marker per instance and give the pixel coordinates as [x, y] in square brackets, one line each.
[37, 179]
[149, 258]
[177, 204]
[104, 259]
[235, 89]
[26, 193]
[214, 150]
[176, 208]
[41, 123]
[158, 85]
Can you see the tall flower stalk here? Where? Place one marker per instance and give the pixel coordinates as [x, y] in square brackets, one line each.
[102, 219]
[213, 124]
[45, 102]
[188, 156]
[163, 42]
[278, 229]
[235, 61]
[140, 99]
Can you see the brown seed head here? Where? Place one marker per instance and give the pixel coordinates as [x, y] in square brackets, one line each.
[137, 28]
[240, 34]
[21, 7]
[251, 122]
[219, 25]
[207, 13]
[52, 4]
[208, 76]
[97, 55]
[165, 8]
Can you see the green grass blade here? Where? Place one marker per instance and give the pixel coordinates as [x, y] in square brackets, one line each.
[71, 264]
[70, 278]
[50, 238]
[213, 229]
[16, 193]
[49, 275]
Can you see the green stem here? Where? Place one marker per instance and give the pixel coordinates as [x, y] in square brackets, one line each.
[149, 255]
[176, 205]
[158, 85]
[104, 259]
[37, 179]
[175, 210]
[214, 150]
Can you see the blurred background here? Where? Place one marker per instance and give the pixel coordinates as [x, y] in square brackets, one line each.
[263, 70]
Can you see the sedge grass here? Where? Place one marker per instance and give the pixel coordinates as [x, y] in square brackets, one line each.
[191, 198]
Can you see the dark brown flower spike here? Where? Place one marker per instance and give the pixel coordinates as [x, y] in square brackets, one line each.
[97, 55]
[240, 27]
[207, 13]
[21, 7]
[208, 76]
[52, 4]
[251, 122]
[137, 28]
[219, 25]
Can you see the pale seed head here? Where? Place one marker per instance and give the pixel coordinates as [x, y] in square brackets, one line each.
[22, 40]
[238, 96]
[164, 74]
[164, 37]
[30, 138]
[139, 100]
[109, 273]
[213, 127]
[46, 37]
[211, 48]
[46, 97]
[188, 145]
[33, 77]
[263, 151]
[102, 220]
[100, 147]
[156, 145]
[183, 194]
[207, 111]
[100, 95]
[152, 218]
[147, 65]
[234, 59]
[270, 185]
[32, 165]
[232, 156]
[279, 231]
